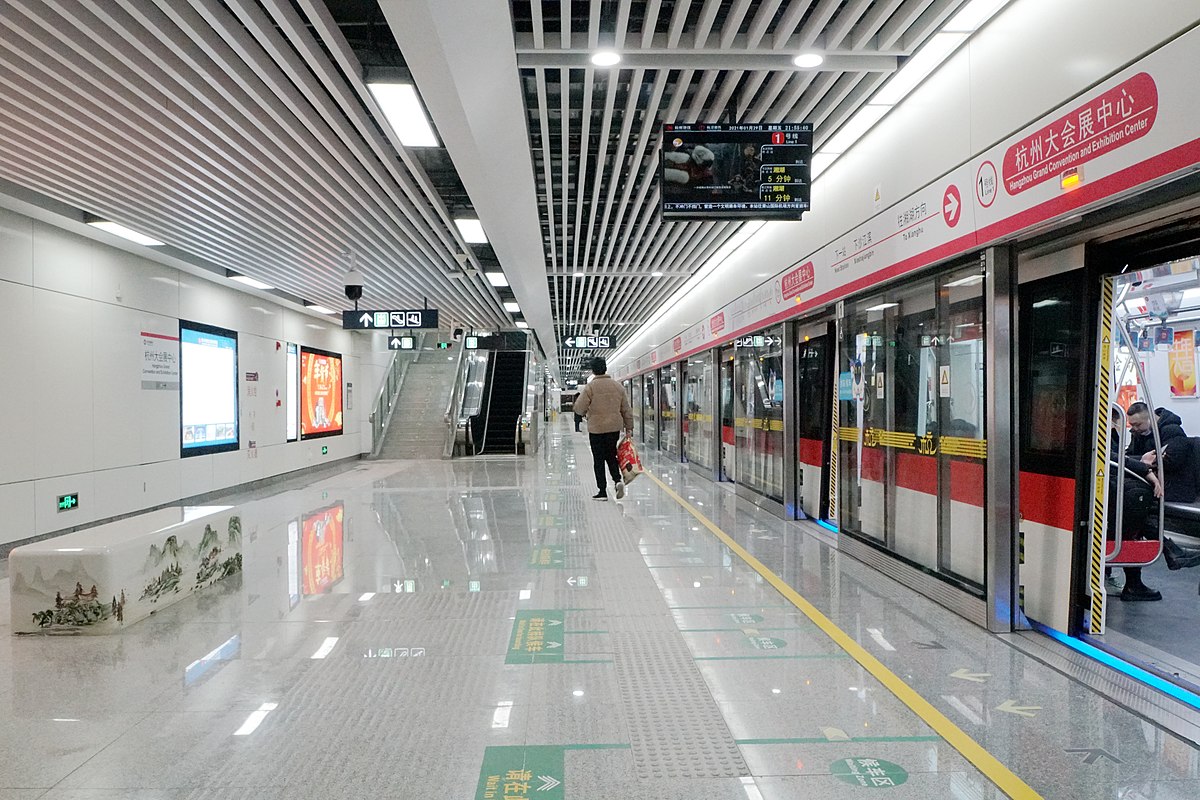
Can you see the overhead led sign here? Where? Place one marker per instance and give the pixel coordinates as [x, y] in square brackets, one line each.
[387, 320]
[597, 342]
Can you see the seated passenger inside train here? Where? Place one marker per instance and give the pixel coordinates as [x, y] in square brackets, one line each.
[1178, 469]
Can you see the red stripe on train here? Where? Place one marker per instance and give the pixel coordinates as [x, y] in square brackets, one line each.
[812, 452]
[967, 482]
[916, 472]
[1048, 500]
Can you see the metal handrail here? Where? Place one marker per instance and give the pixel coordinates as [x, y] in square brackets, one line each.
[385, 401]
[455, 403]
[486, 408]
[1122, 438]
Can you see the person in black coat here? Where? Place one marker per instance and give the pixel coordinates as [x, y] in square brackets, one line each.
[1139, 486]
[1178, 468]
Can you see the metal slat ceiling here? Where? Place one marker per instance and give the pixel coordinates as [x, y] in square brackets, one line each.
[242, 133]
[594, 131]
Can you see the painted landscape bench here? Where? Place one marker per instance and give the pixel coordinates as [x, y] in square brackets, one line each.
[100, 579]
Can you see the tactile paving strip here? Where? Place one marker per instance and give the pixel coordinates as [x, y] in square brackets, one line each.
[676, 729]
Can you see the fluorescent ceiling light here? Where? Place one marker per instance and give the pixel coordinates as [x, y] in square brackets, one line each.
[326, 647]
[967, 281]
[402, 107]
[255, 719]
[319, 309]
[919, 67]
[656, 274]
[125, 233]
[248, 281]
[525, 594]
[606, 58]
[502, 713]
[576, 275]
[522, 325]
[973, 15]
[512, 307]
[365, 596]
[808, 60]
[472, 230]
[496, 278]
[853, 130]
[882, 307]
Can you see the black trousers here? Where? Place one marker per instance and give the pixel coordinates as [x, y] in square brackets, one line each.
[604, 451]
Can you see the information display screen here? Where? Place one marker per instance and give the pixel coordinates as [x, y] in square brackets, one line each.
[321, 549]
[750, 171]
[208, 389]
[320, 393]
[292, 384]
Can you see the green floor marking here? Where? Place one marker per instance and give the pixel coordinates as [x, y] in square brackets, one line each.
[551, 521]
[742, 618]
[512, 772]
[765, 642]
[870, 773]
[583, 632]
[550, 557]
[537, 638]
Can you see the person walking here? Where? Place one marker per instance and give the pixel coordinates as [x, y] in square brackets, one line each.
[604, 404]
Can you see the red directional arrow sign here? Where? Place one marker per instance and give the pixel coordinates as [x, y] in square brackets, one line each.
[952, 205]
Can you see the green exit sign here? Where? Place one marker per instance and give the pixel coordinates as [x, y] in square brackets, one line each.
[324, 449]
[66, 502]
[445, 345]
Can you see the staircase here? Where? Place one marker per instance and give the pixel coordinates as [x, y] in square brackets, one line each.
[418, 429]
[506, 404]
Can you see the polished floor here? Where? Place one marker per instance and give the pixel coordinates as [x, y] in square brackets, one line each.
[482, 629]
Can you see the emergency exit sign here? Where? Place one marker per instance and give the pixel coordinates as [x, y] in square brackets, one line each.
[66, 502]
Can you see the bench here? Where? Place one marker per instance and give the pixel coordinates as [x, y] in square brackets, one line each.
[100, 579]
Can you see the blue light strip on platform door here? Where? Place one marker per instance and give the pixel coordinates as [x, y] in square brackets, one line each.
[827, 525]
[1108, 659]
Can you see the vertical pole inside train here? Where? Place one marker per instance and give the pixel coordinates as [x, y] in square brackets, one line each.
[835, 433]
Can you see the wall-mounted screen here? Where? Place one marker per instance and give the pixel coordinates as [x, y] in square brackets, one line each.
[292, 390]
[320, 393]
[739, 171]
[208, 389]
[321, 550]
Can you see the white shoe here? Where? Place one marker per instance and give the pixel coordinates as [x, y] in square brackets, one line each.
[620, 489]
[1112, 586]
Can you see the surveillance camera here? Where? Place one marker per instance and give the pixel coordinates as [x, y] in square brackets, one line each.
[354, 285]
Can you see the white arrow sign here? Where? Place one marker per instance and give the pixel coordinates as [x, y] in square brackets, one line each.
[548, 783]
[1011, 707]
[967, 675]
[952, 207]
[570, 581]
[365, 319]
[552, 645]
[554, 622]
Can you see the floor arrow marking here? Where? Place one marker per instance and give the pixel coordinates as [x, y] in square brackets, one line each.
[1011, 707]
[967, 675]
[1094, 754]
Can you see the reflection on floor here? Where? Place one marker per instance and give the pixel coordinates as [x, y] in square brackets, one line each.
[482, 629]
[1166, 633]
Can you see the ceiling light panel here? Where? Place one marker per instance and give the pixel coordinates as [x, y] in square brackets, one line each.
[404, 112]
[471, 230]
[125, 233]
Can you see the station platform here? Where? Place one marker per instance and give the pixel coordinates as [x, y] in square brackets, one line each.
[481, 628]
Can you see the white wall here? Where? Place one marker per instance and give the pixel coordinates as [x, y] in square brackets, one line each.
[1032, 58]
[74, 416]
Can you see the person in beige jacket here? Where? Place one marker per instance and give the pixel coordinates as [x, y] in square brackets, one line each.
[604, 404]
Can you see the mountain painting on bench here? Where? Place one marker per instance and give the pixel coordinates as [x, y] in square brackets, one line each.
[88, 590]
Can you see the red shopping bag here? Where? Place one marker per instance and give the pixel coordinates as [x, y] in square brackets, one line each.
[628, 461]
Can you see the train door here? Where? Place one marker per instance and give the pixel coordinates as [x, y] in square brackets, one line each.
[728, 466]
[813, 390]
[1109, 411]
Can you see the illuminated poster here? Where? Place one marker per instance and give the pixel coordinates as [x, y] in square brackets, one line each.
[321, 549]
[208, 396]
[320, 393]
[1181, 363]
[292, 387]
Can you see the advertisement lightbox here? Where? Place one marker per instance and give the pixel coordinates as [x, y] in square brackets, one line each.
[320, 393]
[208, 389]
[321, 549]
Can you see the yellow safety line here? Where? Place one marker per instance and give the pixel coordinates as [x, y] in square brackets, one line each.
[971, 750]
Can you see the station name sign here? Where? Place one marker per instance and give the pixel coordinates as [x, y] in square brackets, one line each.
[387, 320]
[598, 342]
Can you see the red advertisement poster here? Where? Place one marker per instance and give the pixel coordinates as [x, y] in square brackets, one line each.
[320, 393]
[321, 549]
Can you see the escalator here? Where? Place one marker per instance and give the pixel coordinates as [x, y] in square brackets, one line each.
[495, 428]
